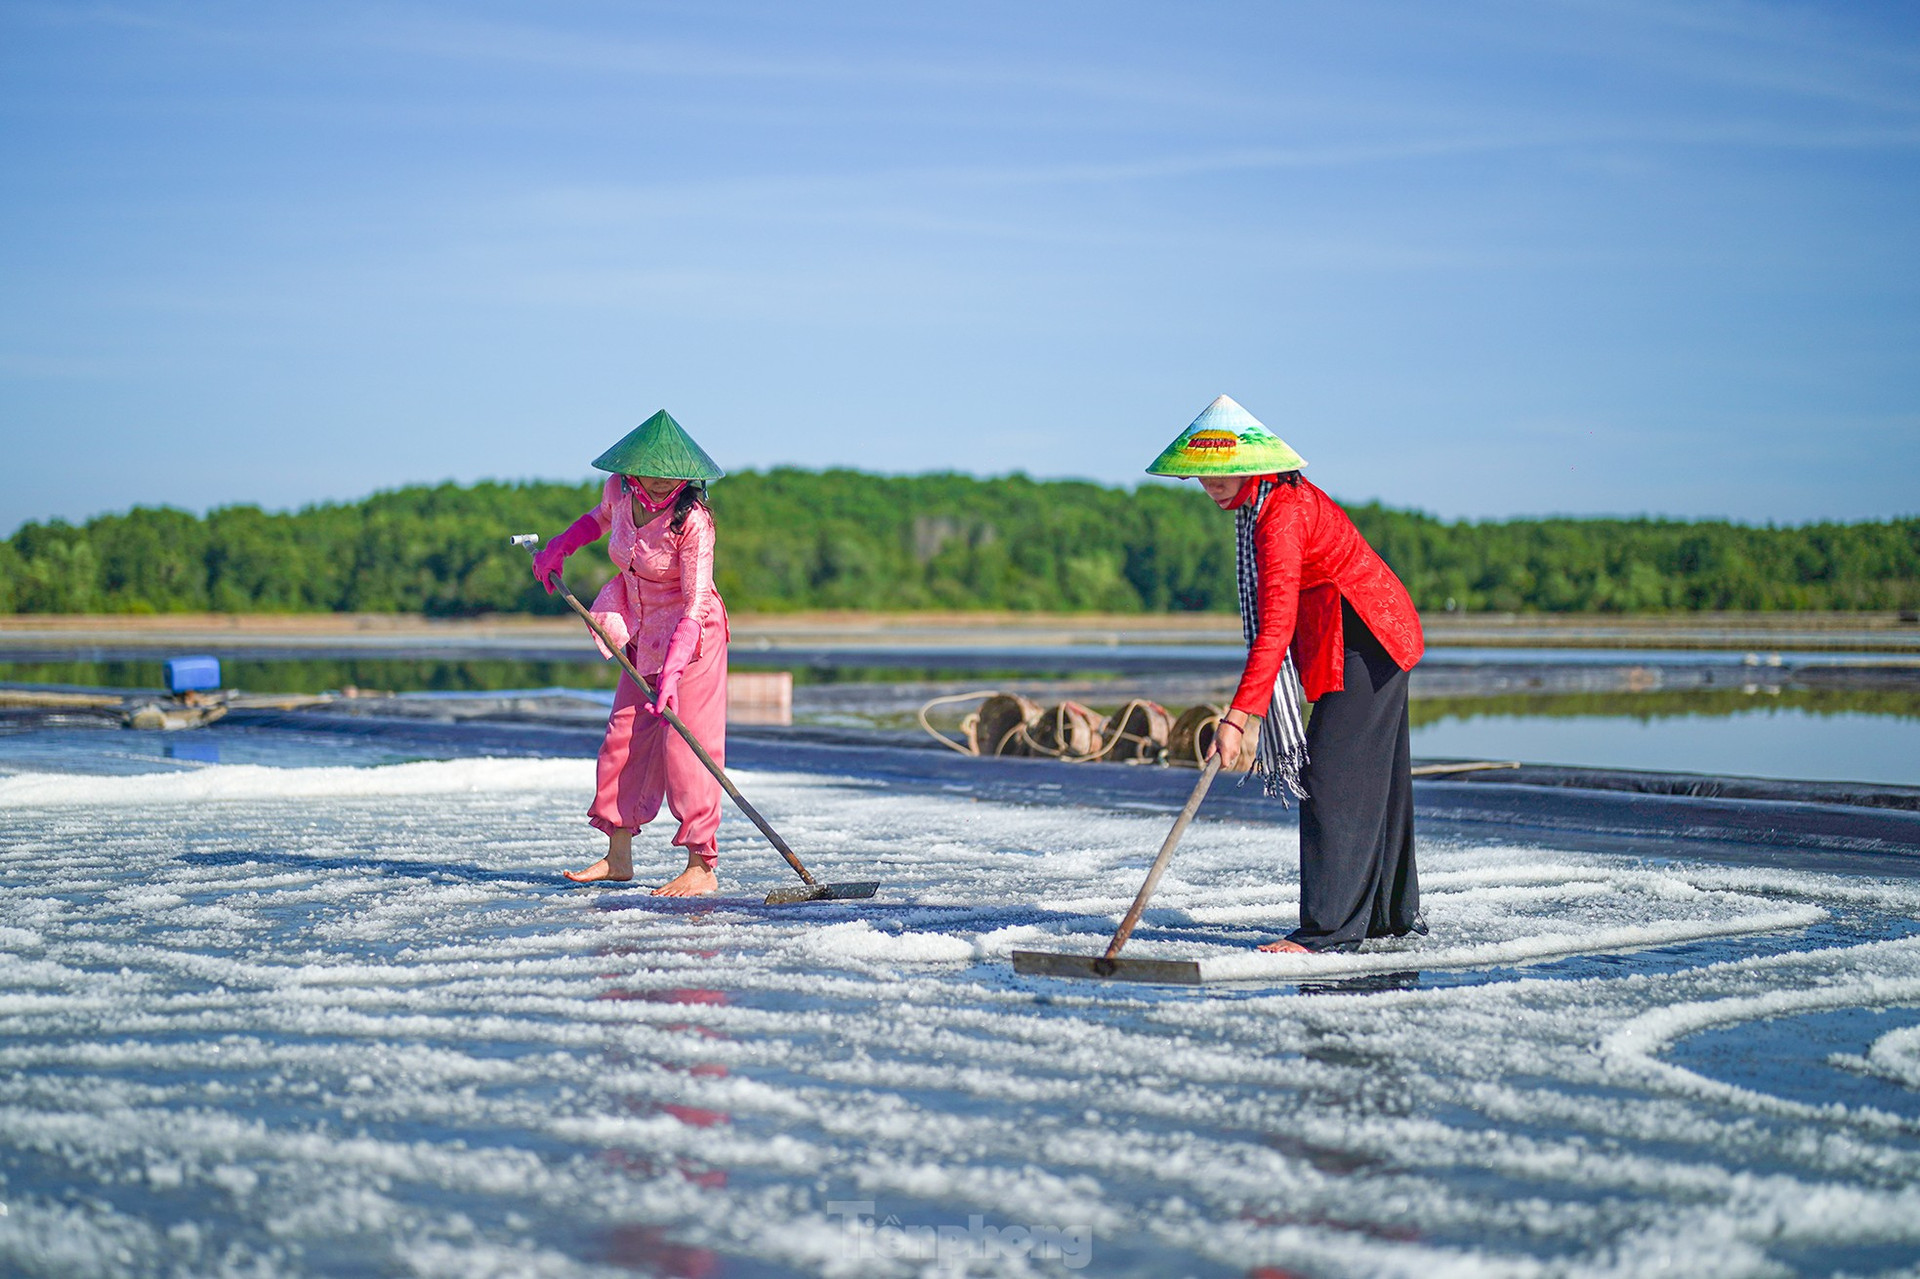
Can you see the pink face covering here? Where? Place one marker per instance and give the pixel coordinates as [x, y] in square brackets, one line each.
[639, 494]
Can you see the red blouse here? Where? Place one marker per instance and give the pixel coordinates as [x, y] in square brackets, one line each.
[1311, 557]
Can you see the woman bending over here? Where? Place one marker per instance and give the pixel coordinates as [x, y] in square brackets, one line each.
[1317, 600]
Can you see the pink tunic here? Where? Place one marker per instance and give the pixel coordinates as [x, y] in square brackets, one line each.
[664, 576]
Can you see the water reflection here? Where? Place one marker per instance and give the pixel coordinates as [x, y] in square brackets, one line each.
[196, 748]
[651, 1249]
[1760, 729]
[1773, 688]
[304, 676]
[399, 675]
[1365, 984]
[1657, 704]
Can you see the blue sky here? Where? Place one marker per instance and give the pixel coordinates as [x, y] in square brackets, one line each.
[1480, 258]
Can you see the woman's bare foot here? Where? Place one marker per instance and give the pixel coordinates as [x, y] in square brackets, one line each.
[1285, 947]
[697, 880]
[616, 867]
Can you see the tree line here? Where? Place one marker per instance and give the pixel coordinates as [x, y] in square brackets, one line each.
[793, 539]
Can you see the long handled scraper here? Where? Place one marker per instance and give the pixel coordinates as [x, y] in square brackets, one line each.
[810, 889]
[1110, 966]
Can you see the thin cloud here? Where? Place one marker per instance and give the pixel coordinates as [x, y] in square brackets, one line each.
[1778, 50]
[532, 45]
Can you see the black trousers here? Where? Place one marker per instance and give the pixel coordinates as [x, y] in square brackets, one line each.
[1357, 878]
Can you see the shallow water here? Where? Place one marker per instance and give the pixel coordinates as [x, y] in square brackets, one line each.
[108, 750]
[324, 664]
[1764, 741]
[1823, 734]
[305, 1020]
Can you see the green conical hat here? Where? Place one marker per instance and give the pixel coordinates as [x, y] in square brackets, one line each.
[659, 446]
[1226, 440]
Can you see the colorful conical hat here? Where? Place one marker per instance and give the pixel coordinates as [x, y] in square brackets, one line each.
[659, 446]
[1226, 440]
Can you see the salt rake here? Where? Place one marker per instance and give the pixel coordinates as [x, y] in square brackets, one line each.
[810, 889]
[1110, 967]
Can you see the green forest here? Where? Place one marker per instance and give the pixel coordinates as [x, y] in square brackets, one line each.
[793, 539]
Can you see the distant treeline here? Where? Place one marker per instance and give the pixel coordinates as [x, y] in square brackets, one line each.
[793, 539]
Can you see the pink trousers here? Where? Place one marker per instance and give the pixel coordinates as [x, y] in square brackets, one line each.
[643, 761]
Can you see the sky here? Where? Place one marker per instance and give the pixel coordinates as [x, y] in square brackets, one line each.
[1489, 258]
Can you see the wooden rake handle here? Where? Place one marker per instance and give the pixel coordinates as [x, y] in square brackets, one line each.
[1160, 863]
[679, 726]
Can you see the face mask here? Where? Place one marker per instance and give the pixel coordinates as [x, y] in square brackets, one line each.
[639, 494]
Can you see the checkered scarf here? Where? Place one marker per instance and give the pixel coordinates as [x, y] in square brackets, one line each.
[1283, 735]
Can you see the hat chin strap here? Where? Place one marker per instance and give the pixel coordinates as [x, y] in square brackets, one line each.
[1248, 488]
[639, 494]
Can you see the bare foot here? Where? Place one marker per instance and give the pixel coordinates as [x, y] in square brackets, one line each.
[1285, 947]
[616, 867]
[604, 869]
[695, 881]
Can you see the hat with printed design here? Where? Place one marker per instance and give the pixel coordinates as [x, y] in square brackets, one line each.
[1226, 440]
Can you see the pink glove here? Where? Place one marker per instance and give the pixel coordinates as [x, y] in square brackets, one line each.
[584, 531]
[680, 651]
[667, 696]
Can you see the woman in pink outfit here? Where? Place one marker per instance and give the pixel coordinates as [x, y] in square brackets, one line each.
[662, 608]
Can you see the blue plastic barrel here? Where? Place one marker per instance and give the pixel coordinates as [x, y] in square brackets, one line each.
[193, 674]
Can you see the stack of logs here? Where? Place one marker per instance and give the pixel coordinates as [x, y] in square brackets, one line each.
[1141, 732]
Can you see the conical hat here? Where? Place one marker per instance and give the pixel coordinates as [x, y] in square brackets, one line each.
[659, 446]
[1226, 440]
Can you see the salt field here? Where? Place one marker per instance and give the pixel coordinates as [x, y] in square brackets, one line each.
[274, 1017]
[993, 447]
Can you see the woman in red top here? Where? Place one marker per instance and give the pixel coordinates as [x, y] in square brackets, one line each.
[1321, 610]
